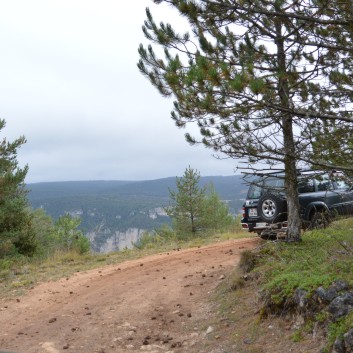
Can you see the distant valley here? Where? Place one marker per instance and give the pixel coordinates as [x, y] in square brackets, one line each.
[114, 214]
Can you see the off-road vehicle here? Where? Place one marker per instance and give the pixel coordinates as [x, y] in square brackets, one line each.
[322, 196]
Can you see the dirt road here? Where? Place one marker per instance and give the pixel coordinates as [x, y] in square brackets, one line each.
[157, 304]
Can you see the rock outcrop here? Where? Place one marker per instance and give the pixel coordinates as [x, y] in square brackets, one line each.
[334, 303]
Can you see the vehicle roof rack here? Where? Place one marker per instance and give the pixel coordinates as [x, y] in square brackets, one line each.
[261, 174]
[299, 171]
[279, 171]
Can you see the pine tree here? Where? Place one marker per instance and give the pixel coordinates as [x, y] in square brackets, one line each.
[215, 213]
[188, 203]
[16, 233]
[262, 79]
[196, 210]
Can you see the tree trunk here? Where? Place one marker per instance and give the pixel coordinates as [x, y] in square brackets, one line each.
[291, 181]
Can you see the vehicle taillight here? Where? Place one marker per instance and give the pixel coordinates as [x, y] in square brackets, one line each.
[244, 215]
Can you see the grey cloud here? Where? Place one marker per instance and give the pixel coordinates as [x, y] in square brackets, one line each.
[69, 83]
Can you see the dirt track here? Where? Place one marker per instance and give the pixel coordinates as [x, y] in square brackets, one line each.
[158, 304]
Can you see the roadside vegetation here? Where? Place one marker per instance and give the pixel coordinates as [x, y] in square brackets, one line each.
[291, 281]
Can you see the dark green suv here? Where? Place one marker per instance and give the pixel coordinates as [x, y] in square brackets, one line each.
[322, 195]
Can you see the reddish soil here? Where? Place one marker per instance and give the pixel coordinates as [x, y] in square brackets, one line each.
[160, 303]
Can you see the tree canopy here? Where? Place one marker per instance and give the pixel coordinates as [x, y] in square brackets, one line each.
[266, 81]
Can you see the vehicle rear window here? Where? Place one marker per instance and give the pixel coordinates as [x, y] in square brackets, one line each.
[257, 188]
[254, 192]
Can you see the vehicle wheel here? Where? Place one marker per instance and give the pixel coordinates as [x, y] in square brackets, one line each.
[319, 220]
[271, 208]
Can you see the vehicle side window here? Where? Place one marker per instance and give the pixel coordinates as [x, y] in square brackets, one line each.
[306, 185]
[273, 183]
[323, 183]
[341, 182]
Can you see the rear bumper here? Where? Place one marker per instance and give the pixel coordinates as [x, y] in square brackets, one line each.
[258, 227]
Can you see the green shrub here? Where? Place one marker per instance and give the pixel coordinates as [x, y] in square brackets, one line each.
[81, 244]
[159, 236]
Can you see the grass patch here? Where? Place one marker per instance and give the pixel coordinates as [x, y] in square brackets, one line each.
[320, 259]
[277, 269]
[297, 336]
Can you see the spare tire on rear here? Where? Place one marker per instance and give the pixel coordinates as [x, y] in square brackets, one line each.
[272, 208]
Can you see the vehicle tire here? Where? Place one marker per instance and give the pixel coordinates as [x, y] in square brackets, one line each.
[319, 220]
[271, 208]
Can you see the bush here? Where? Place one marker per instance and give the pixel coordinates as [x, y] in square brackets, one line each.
[160, 235]
[81, 245]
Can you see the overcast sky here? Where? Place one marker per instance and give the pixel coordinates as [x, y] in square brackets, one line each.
[69, 83]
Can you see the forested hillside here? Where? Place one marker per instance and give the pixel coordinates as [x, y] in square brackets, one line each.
[112, 209]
